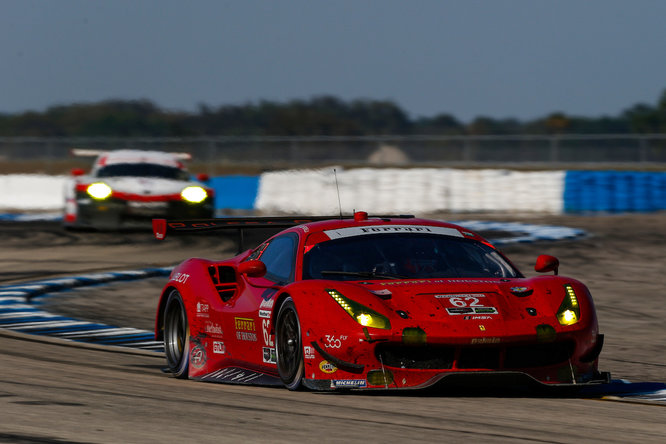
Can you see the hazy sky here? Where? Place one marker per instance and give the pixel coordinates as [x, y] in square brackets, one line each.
[496, 58]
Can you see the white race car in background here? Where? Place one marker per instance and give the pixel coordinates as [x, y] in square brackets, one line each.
[128, 188]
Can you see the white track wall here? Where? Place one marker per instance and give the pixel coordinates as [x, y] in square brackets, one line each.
[32, 192]
[418, 190]
[392, 190]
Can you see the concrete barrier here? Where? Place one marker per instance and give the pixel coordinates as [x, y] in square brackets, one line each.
[395, 190]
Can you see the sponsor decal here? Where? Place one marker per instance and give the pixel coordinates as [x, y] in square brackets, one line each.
[465, 303]
[485, 341]
[245, 329]
[219, 348]
[266, 314]
[520, 289]
[198, 356]
[202, 310]
[479, 317]
[457, 310]
[267, 304]
[244, 324]
[266, 329]
[180, 277]
[327, 367]
[485, 310]
[333, 341]
[246, 336]
[382, 229]
[466, 310]
[269, 355]
[213, 329]
[348, 383]
[308, 352]
[464, 296]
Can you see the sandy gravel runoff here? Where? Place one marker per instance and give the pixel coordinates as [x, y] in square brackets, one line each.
[51, 392]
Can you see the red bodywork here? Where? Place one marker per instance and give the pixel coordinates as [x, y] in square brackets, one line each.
[438, 326]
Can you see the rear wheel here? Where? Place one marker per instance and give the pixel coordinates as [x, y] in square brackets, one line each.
[176, 336]
[288, 346]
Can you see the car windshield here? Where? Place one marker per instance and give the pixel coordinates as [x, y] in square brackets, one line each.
[143, 170]
[404, 256]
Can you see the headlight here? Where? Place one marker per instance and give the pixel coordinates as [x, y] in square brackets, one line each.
[99, 190]
[569, 311]
[361, 314]
[194, 194]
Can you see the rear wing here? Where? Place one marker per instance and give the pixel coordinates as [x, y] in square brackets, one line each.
[85, 152]
[162, 227]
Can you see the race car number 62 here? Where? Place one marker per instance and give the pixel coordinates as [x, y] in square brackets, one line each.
[463, 302]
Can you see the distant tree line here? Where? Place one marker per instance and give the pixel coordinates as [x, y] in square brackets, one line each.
[320, 116]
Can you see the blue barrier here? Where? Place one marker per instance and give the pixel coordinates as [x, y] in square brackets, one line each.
[237, 192]
[614, 191]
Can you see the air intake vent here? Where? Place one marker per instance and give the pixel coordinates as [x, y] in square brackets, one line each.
[224, 279]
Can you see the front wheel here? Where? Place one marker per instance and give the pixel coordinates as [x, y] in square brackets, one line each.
[288, 346]
[176, 336]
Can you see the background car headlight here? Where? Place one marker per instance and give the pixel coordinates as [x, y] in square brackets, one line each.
[361, 314]
[194, 194]
[99, 190]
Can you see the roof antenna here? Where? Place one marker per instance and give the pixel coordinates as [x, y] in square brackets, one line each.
[335, 174]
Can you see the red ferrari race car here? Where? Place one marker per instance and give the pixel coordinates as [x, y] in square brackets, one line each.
[128, 188]
[372, 302]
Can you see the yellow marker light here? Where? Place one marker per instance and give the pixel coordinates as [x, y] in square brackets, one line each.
[569, 311]
[361, 314]
[99, 190]
[194, 194]
[568, 317]
[364, 319]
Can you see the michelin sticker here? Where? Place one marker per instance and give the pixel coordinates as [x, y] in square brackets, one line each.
[348, 383]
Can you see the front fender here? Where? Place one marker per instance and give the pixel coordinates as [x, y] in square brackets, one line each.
[335, 344]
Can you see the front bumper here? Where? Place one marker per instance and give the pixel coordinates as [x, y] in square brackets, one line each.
[390, 365]
[115, 213]
[465, 382]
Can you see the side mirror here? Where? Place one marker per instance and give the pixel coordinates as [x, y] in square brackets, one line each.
[546, 263]
[78, 172]
[203, 177]
[253, 268]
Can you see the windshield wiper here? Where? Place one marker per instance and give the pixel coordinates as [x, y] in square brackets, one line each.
[363, 274]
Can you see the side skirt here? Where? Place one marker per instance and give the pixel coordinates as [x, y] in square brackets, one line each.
[238, 375]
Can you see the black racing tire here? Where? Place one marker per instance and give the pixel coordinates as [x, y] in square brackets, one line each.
[288, 346]
[176, 336]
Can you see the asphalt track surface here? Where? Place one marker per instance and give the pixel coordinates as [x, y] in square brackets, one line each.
[52, 391]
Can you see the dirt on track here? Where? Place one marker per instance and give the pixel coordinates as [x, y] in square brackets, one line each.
[51, 392]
